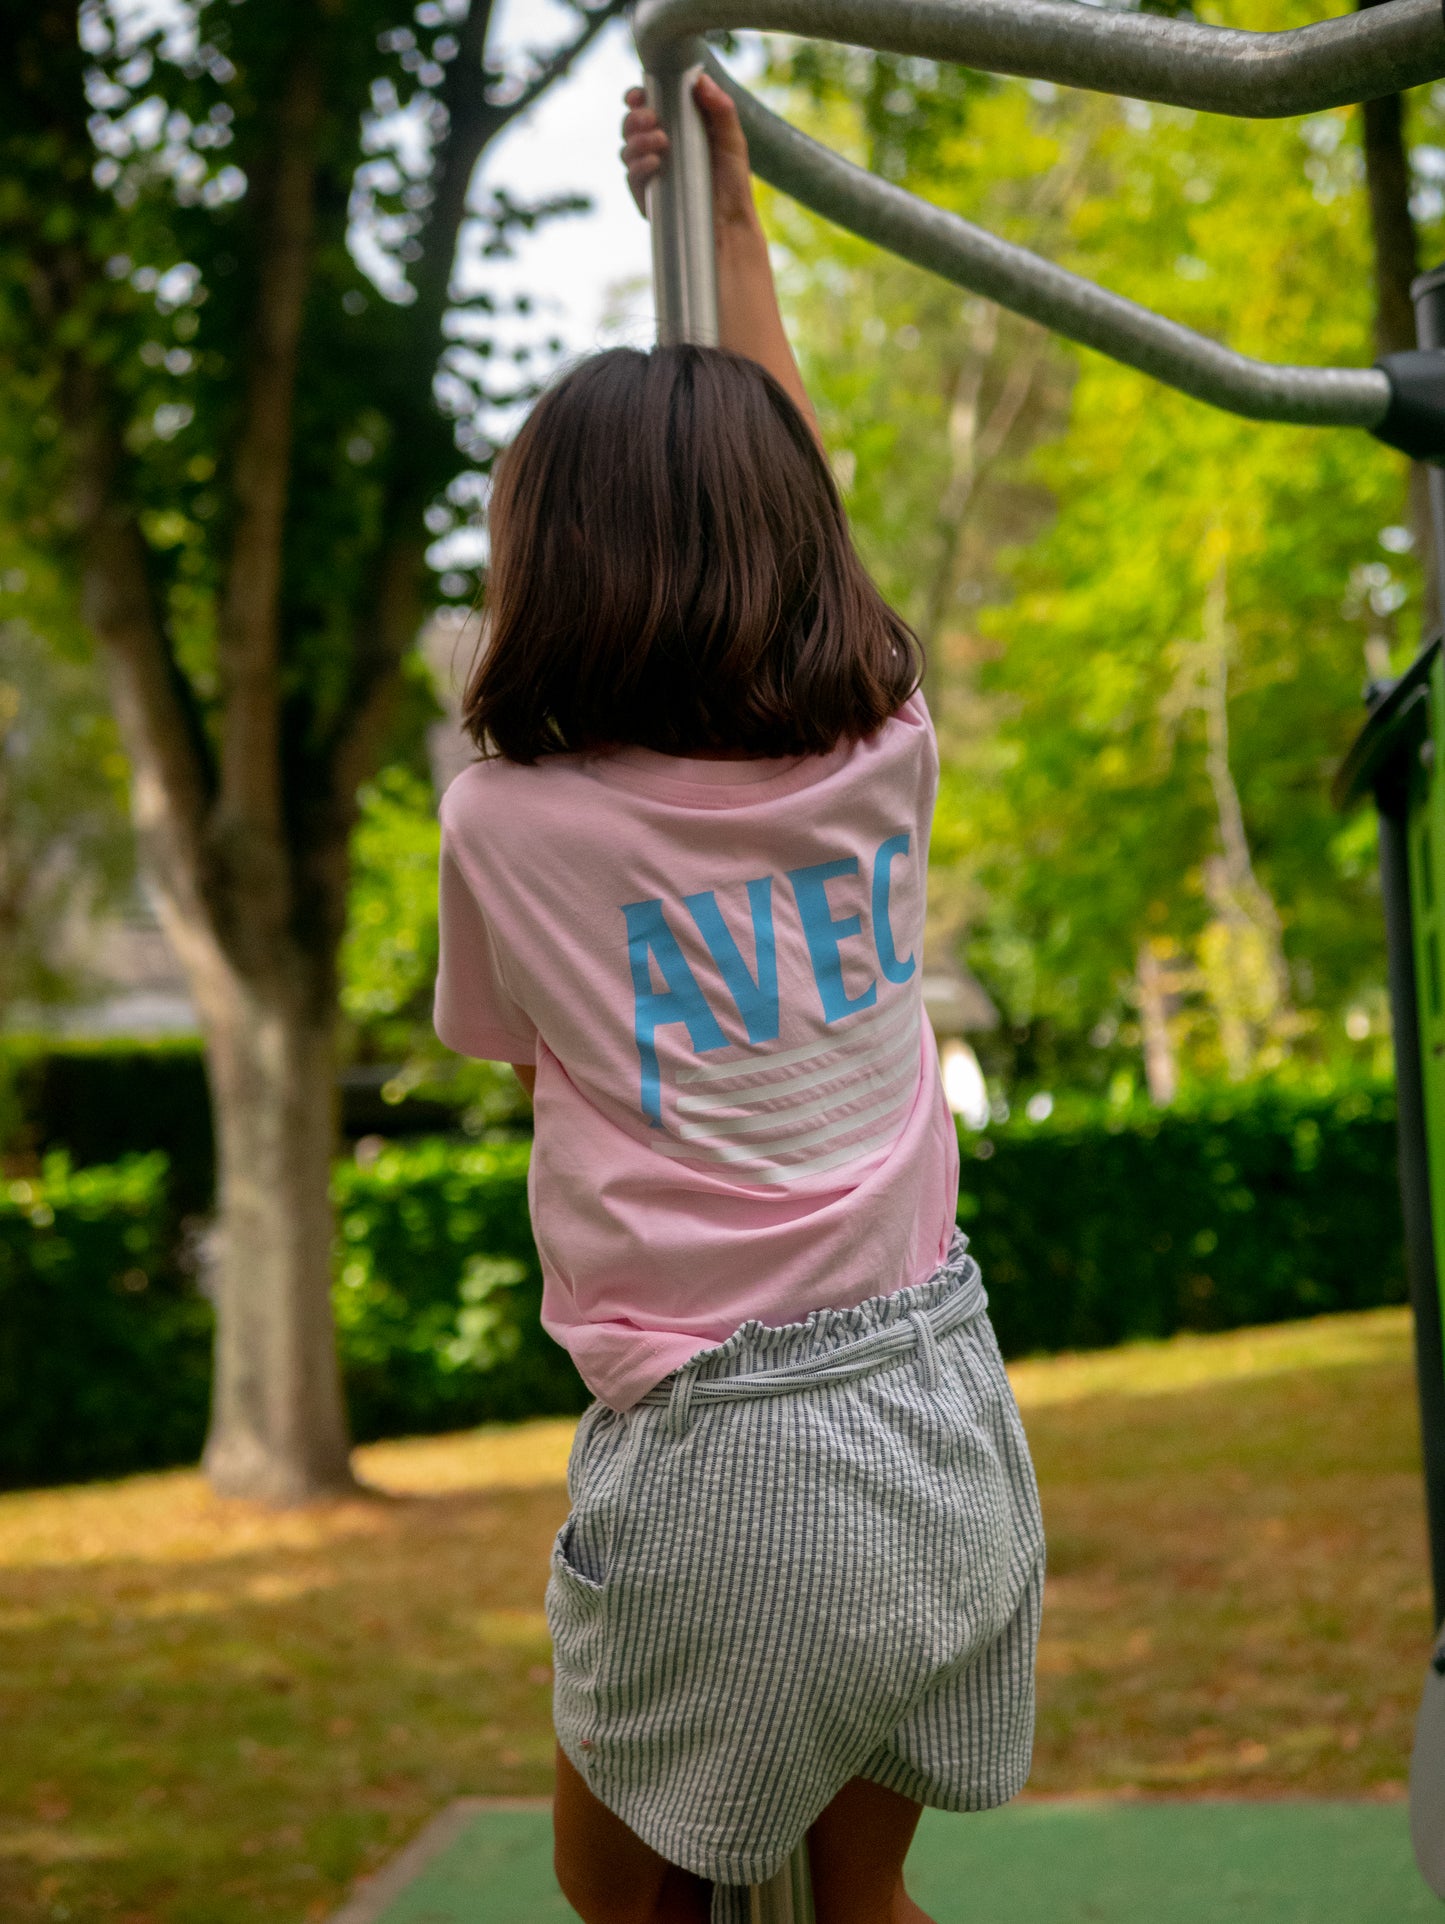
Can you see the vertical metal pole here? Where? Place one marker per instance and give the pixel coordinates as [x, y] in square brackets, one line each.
[787, 1897]
[1428, 294]
[684, 285]
[679, 207]
[1427, 291]
[1414, 1168]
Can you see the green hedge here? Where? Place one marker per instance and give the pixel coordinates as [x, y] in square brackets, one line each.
[105, 1341]
[104, 1347]
[438, 1292]
[1246, 1210]
[100, 1101]
[1090, 1230]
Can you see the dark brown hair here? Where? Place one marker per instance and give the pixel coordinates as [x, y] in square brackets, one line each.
[671, 568]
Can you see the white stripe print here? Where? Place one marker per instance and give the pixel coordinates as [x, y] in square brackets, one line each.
[868, 1029]
[720, 1120]
[875, 1066]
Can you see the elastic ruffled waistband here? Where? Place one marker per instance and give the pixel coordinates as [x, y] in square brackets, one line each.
[755, 1346]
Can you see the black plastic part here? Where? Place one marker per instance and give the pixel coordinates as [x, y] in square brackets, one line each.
[1382, 760]
[1377, 761]
[1414, 422]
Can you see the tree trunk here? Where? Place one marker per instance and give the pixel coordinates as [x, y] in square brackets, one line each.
[1161, 1070]
[267, 1004]
[278, 1424]
[972, 449]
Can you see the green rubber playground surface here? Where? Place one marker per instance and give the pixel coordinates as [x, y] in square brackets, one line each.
[1054, 1863]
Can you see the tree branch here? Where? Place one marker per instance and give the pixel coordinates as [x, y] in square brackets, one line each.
[473, 123]
[389, 629]
[172, 774]
[974, 451]
[464, 97]
[558, 63]
[250, 620]
[395, 605]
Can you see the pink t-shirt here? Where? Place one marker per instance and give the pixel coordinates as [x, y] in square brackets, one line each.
[717, 969]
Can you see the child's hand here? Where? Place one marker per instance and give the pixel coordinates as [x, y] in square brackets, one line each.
[645, 145]
[747, 302]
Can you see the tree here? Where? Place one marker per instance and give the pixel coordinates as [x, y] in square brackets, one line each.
[225, 452]
[930, 399]
[1080, 824]
[1109, 831]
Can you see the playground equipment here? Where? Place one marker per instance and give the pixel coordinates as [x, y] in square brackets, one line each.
[1382, 49]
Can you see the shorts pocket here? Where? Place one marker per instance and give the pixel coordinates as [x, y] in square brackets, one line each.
[600, 1478]
[575, 1559]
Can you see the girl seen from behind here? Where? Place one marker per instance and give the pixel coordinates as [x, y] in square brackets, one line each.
[683, 893]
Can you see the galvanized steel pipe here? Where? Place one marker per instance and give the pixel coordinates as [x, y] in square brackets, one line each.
[971, 257]
[679, 205]
[1378, 50]
[1224, 70]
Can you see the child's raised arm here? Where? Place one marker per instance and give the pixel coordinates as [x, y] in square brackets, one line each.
[748, 318]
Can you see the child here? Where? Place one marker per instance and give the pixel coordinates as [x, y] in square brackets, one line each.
[683, 894]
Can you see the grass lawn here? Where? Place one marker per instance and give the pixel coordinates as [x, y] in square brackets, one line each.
[213, 1714]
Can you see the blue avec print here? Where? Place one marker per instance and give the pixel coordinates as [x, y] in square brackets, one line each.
[754, 992]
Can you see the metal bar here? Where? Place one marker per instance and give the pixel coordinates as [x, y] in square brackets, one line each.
[1422, 1256]
[1414, 1171]
[787, 1897]
[971, 257]
[1358, 56]
[1427, 292]
[679, 207]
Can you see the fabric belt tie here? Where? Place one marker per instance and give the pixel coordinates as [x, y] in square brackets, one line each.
[919, 1332]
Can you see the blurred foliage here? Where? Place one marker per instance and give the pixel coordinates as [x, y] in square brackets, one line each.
[104, 1345]
[66, 850]
[1078, 820]
[105, 1336]
[439, 1290]
[102, 1102]
[389, 960]
[389, 953]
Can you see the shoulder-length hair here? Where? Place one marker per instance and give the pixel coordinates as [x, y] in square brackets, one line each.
[671, 568]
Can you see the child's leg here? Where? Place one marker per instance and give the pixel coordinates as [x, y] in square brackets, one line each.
[607, 1874]
[856, 1850]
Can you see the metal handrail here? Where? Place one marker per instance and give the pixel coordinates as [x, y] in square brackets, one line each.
[1358, 56]
[1077, 308]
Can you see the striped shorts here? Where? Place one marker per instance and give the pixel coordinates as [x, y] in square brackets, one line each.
[814, 1553]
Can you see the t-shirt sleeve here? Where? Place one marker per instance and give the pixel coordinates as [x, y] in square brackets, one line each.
[914, 714]
[475, 1012]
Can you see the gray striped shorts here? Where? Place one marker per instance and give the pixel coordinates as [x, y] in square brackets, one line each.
[812, 1554]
